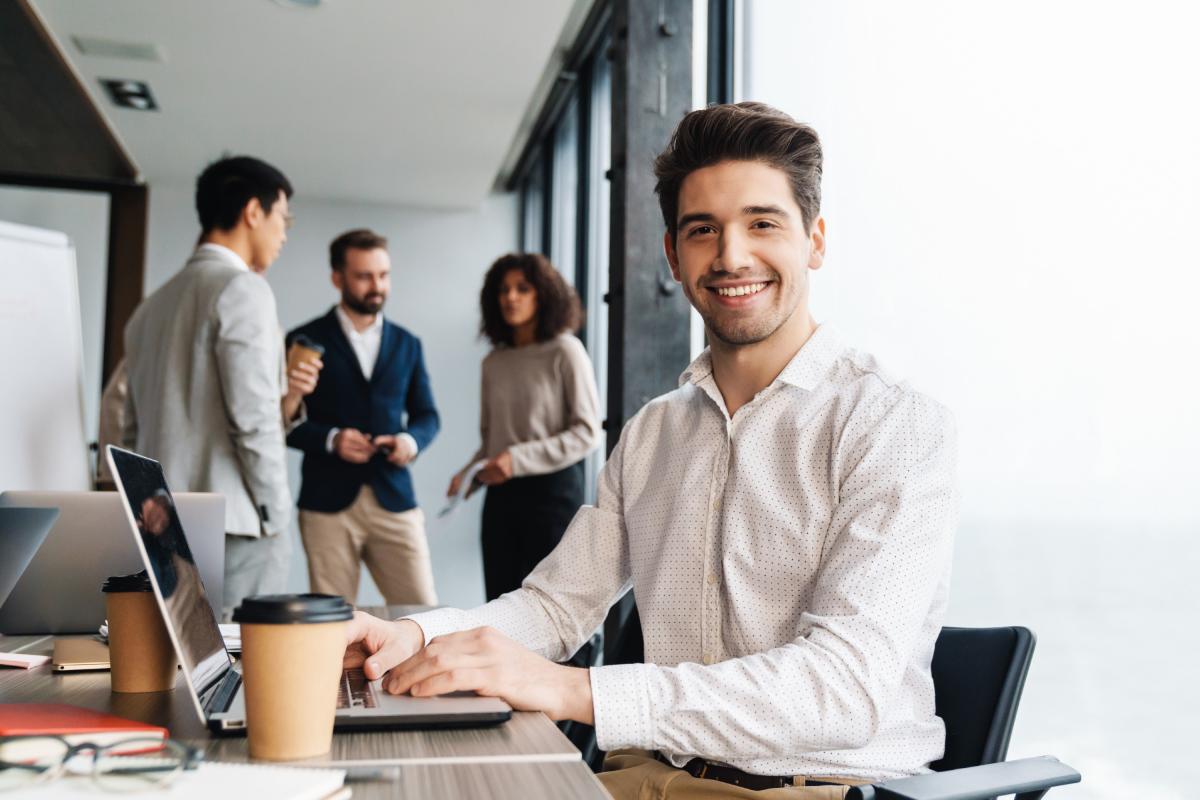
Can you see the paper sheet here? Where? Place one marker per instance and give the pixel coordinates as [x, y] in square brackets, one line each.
[468, 482]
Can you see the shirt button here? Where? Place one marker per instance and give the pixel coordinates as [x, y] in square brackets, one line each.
[712, 578]
[708, 660]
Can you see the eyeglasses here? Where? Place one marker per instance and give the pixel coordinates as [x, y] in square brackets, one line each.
[288, 221]
[128, 765]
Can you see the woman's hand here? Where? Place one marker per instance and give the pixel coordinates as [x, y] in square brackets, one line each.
[496, 471]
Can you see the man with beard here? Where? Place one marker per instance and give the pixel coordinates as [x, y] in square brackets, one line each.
[371, 414]
[785, 519]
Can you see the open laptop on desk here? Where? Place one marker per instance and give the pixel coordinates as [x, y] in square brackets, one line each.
[59, 592]
[215, 686]
[22, 531]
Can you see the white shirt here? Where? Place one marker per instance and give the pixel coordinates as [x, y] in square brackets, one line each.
[365, 344]
[225, 253]
[791, 567]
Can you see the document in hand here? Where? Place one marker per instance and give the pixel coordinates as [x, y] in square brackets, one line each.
[467, 483]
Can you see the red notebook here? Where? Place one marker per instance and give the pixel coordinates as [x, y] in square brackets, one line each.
[72, 723]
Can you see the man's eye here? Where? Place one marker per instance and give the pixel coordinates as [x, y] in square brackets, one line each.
[763, 224]
[700, 230]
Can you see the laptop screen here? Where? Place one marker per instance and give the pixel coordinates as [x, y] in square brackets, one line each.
[172, 569]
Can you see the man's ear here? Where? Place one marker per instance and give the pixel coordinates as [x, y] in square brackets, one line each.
[253, 214]
[338, 279]
[817, 239]
[672, 256]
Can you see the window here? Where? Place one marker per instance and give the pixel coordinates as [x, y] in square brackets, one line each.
[1010, 192]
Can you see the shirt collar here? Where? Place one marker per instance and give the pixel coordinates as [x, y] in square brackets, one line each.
[348, 325]
[806, 369]
[224, 253]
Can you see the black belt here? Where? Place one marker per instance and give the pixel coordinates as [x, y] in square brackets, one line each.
[700, 768]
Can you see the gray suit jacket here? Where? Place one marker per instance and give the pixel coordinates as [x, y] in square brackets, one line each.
[206, 374]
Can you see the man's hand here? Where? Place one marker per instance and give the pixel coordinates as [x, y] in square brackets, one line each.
[302, 381]
[353, 446]
[377, 644]
[399, 449]
[496, 471]
[486, 661]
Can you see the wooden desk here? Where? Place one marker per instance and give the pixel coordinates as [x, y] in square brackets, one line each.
[526, 758]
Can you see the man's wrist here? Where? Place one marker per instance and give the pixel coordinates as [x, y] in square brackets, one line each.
[411, 629]
[577, 695]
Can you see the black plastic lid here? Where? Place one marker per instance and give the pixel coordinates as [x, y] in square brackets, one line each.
[293, 609]
[304, 341]
[137, 582]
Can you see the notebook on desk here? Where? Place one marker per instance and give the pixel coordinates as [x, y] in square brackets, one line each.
[215, 686]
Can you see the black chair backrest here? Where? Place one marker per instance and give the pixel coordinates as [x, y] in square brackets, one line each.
[978, 675]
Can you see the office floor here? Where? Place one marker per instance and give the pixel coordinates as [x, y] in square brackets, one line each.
[1112, 688]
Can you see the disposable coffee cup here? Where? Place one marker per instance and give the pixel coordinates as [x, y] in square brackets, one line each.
[140, 652]
[302, 351]
[292, 648]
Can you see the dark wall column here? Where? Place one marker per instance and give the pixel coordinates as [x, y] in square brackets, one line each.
[648, 334]
[648, 314]
[127, 217]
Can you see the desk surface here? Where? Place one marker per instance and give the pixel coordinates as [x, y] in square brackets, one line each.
[526, 758]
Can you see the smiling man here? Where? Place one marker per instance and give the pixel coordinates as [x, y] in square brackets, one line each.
[368, 419]
[785, 519]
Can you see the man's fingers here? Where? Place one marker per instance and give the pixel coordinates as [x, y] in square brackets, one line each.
[425, 664]
[458, 679]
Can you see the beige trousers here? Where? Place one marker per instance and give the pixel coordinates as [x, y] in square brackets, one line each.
[638, 775]
[391, 544]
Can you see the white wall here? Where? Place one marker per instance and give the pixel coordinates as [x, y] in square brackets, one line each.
[83, 216]
[1011, 199]
[438, 262]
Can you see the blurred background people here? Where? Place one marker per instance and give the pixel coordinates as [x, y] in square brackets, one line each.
[208, 394]
[368, 419]
[539, 416]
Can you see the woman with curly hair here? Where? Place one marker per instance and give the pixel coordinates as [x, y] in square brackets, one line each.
[539, 416]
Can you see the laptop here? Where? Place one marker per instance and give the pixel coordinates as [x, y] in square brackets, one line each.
[214, 685]
[60, 590]
[22, 531]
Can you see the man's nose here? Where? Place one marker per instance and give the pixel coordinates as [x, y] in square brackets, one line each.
[733, 251]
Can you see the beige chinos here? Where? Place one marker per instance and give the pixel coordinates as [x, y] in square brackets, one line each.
[391, 544]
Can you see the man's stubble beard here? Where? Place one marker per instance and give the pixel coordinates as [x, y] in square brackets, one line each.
[362, 306]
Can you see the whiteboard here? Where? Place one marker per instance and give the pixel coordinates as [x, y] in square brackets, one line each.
[42, 440]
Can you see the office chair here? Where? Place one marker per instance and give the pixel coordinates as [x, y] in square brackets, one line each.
[978, 675]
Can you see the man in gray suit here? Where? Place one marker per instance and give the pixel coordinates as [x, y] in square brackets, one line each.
[208, 396]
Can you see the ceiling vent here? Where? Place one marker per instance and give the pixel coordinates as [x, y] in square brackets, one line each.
[112, 48]
[129, 94]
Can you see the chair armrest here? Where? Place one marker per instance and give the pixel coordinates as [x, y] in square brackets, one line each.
[974, 783]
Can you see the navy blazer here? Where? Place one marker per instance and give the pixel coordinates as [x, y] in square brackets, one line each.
[397, 399]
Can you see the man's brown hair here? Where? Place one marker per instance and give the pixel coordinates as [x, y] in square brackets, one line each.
[357, 239]
[558, 308]
[740, 132]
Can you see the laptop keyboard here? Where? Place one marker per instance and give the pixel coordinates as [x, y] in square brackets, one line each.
[355, 690]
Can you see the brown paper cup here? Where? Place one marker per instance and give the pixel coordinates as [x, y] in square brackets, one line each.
[291, 668]
[299, 354]
[139, 649]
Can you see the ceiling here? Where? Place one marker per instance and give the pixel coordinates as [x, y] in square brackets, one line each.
[406, 102]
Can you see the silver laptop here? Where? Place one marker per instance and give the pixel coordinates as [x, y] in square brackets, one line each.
[60, 590]
[22, 531]
[215, 686]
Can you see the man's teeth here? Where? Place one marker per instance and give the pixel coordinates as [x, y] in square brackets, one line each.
[738, 291]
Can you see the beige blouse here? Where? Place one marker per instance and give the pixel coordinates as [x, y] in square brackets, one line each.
[539, 402]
